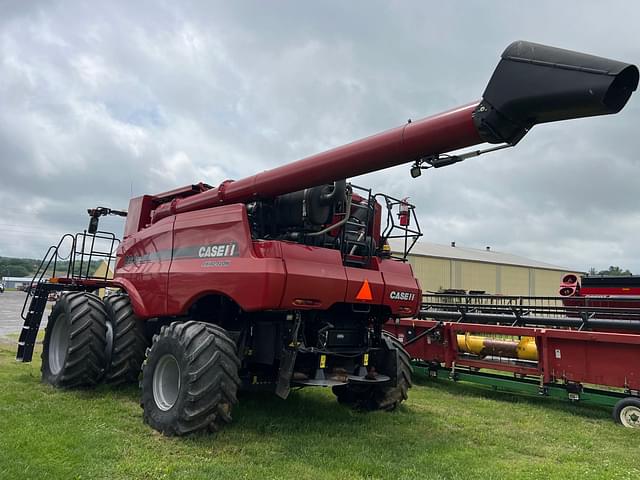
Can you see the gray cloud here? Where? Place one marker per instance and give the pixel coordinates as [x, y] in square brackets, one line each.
[102, 101]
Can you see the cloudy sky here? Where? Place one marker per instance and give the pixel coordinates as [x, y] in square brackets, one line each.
[100, 101]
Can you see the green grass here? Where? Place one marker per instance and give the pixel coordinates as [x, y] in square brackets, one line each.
[444, 431]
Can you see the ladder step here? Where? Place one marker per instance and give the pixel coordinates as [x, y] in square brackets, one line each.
[29, 332]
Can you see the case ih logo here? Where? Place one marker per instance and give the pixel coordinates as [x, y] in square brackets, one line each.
[218, 250]
[406, 296]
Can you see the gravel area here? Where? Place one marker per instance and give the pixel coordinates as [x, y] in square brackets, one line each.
[10, 309]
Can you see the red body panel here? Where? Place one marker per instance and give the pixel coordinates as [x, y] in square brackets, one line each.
[138, 214]
[623, 302]
[610, 291]
[168, 266]
[398, 277]
[357, 277]
[143, 266]
[611, 359]
[313, 274]
[236, 276]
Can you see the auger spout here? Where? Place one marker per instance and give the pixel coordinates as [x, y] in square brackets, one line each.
[532, 84]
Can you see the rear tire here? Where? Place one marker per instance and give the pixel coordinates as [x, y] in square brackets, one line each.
[74, 353]
[129, 342]
[190, 378]
[396, 363]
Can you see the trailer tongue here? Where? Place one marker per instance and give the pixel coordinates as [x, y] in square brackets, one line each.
[284, 278]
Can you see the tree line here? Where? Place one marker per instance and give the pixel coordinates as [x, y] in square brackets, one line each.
[612, 271]
[26, 267]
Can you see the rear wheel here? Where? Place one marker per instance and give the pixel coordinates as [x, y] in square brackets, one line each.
[74, 353]
[396, 363]
[190, 378]
[127, 338]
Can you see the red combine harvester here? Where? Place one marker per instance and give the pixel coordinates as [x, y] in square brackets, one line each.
[284, 278]
[600, 291]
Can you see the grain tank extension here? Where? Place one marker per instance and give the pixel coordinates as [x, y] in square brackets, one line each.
[285, 279]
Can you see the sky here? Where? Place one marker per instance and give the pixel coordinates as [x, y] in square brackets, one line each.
[103, 101]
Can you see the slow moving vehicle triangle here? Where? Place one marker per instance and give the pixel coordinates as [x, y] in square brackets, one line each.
[365, 291]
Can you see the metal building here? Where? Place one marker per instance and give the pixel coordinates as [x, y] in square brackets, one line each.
[16, 282]
[440, 267]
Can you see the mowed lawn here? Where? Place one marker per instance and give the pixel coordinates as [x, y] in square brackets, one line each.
[444, 431]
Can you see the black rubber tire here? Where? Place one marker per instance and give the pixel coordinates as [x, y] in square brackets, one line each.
[129, 343]
[343, 394]
[82, 361]
[208, 372]
[624, 405]
[396, 363]
[349, 394]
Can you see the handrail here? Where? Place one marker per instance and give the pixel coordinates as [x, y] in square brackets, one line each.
[52, 255]
[82, 255]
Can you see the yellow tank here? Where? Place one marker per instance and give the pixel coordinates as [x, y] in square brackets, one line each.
[523, 349]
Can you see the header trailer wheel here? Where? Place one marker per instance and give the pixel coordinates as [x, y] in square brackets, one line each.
[627, 412]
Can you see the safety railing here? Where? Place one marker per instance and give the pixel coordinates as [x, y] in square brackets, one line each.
[76, 258]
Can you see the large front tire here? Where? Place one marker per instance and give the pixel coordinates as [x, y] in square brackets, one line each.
[74, 353]
[190, 378]
[128, 341]
[396, 363]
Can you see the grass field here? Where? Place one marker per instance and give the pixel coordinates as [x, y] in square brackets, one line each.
[444, 431]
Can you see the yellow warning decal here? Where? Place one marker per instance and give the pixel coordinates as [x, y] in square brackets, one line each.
[323, 361]
[365, 360]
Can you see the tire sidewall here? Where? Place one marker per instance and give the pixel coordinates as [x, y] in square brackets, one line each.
[389, 360]
[158, 418]
[127, 341]
[47, 375]
[84, 357]
[110, 325]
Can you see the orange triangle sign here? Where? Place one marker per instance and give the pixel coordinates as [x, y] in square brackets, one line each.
[365, 291]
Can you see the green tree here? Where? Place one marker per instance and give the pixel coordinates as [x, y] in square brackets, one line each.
[14, 270]
[615, 271]
[17, 267]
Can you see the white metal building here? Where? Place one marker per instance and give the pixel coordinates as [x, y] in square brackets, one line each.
[440, 267]
[15, 282]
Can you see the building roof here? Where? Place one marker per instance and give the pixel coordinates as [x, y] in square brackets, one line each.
[427, 249]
